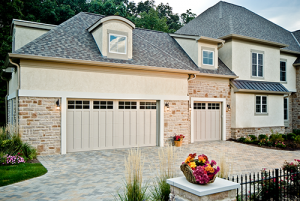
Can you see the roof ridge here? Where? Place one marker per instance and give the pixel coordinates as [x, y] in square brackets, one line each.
[163, 50]
[91, 14]
[295, 39]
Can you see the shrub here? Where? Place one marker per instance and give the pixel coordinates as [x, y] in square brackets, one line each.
[276, 138]
[248, 139]
[296, 131]
[241, 139]
[297, 139]
[291, 136]
[253, 137]
[262, 137]
[280, 144]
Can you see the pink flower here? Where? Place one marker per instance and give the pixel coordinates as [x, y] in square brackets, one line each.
[213, 163]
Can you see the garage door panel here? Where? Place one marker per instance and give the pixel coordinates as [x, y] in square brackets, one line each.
[77, 130]
[153, 128]
[102, 125]
[126, 129]
[133, 128]
[207, 121]
[85, 130]
[70, 133]
[140, 129]
[147, 128]
[109, 129]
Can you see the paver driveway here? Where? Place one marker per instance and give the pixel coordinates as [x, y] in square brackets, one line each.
[97, 175]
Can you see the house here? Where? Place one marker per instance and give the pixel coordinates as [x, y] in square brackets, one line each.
[97, 82]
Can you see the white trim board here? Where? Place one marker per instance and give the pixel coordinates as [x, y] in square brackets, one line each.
[223, 115]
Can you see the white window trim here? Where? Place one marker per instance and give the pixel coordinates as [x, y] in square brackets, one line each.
[109, 43]
[212, 58]
[263, 70]
[281, 60]
[261, 112]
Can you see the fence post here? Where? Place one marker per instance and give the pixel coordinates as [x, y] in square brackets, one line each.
[276, 184]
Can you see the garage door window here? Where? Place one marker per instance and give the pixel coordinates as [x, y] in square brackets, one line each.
[78, 104]
[127, 105]
[213, 106]
[148, 105]
[199, 106]
[103, 105]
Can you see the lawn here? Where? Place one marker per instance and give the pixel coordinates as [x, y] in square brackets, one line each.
[10, 174]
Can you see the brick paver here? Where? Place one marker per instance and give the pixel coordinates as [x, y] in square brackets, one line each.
[97, 175]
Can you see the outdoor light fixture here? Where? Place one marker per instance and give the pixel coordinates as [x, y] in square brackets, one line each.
[167, 106]
[57, 104]
[228, 106]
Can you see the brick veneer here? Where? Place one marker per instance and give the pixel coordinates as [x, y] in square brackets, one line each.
[177, 121]
[39, 124]
[213, 88]
[241, 132]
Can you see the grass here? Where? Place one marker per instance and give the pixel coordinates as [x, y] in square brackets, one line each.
[15, 173]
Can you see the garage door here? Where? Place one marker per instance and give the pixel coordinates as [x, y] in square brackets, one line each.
[107, 124]
[207, 121]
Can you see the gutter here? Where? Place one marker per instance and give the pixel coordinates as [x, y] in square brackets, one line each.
[217, 75]
[260, 91]
[100, 63]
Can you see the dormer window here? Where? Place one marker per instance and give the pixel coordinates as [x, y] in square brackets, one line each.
[117, 44]
[208, 57]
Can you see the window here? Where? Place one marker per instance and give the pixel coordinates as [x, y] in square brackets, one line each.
[127, 105]
[261, 104]
[208, 57]
[148, 105]
[213, 106]
[78, 104]
[285, 108]
[117, 44]
[103, 105]
[199, 106]
[283, 71]
[257, 64]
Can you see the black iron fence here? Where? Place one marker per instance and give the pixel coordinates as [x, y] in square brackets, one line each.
[274, 185]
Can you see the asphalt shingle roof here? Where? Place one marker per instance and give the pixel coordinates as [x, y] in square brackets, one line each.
[72, 40]
[225, 18]
[259, 85]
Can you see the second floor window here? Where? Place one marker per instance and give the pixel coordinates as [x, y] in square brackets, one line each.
[285, 108]
[257, 64]
[117, 44]
[208, 57]
[283, 71]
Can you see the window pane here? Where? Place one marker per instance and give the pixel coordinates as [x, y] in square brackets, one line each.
[205, 60]
[258, 100]
[282, 76]
[264, 100]
[205, 54]
[260, 71]
[264, 108]
[254, 70]
[210, 55]
[210, 61]
[254, 58]
[113, 41]
[257, 108]
[70, 102]
[122, 45]
[260, 59]
[71, 107]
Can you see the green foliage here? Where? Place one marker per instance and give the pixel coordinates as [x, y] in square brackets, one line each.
[188, 16]
[296, 131]
[253, 137]
[280, 144]
[248, 139]
[14, 173]
[152, 21]
[276, 137]
[241, 139]
[134, 192]
[161, 190]
[291, 136]
[297, 139]
[263, 136]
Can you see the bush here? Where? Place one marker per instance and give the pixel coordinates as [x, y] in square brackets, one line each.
[297, 139]
[296, 131]
[241, 139]
[263, 137]
[291, 136]
[248, 139]
[276, 138]
[280, 144]
[253, 137]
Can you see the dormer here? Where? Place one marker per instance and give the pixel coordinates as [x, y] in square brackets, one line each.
[202, 50]
[113, 36]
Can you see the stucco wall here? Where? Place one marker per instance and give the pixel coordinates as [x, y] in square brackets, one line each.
[190, 46]
[225, 54]
[204, 87]
[80, 78]
[241, 60]
[245, 111]
[291, 71]
[24, 35]
[13, 83]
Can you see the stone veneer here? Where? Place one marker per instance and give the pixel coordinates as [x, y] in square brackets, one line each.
[227, 195]
[241, 132]
[39, 124]
[296, 102]
[176, 120]
[213, 88]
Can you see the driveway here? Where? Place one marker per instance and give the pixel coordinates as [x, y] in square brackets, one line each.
[98, 175]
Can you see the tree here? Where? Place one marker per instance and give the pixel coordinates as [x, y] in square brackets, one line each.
[187, 16]
[152, 21]
[173, 20]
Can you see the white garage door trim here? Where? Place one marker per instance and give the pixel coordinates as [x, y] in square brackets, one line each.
[223, 115]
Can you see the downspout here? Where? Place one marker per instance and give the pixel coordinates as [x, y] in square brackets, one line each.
[18, 87]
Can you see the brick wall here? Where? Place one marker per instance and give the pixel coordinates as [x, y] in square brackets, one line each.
[296, 102]
[177, 121]
[213, 88]
[39, 124]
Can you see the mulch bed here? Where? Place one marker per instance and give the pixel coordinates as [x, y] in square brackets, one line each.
[287, 142]
[33, 161]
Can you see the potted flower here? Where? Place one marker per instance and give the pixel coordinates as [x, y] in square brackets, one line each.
[199, 170]
[178, 140]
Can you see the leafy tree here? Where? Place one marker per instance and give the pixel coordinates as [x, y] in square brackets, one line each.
[152, 21]
[173, 20]
[187, 16]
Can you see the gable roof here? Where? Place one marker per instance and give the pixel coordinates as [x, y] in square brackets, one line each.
[72, 40]
[225, 18]
[244, 85]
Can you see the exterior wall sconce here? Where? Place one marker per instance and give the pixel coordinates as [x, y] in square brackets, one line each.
[228, 106]
[57, 104]
[167, 106]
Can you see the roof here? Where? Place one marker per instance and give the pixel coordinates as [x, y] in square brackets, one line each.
[71, 40]
[225, 18]
[259, 86]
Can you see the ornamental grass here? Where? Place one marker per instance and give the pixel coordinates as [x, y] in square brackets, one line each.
[225, 166]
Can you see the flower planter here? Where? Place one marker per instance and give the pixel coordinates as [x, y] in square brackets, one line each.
[188, 173]
[178, 143]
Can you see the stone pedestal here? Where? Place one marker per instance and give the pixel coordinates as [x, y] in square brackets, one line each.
[221, 189]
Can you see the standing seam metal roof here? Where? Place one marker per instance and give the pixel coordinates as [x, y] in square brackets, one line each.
[259, 85]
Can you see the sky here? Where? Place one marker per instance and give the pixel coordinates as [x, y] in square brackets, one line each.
[285, 13]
